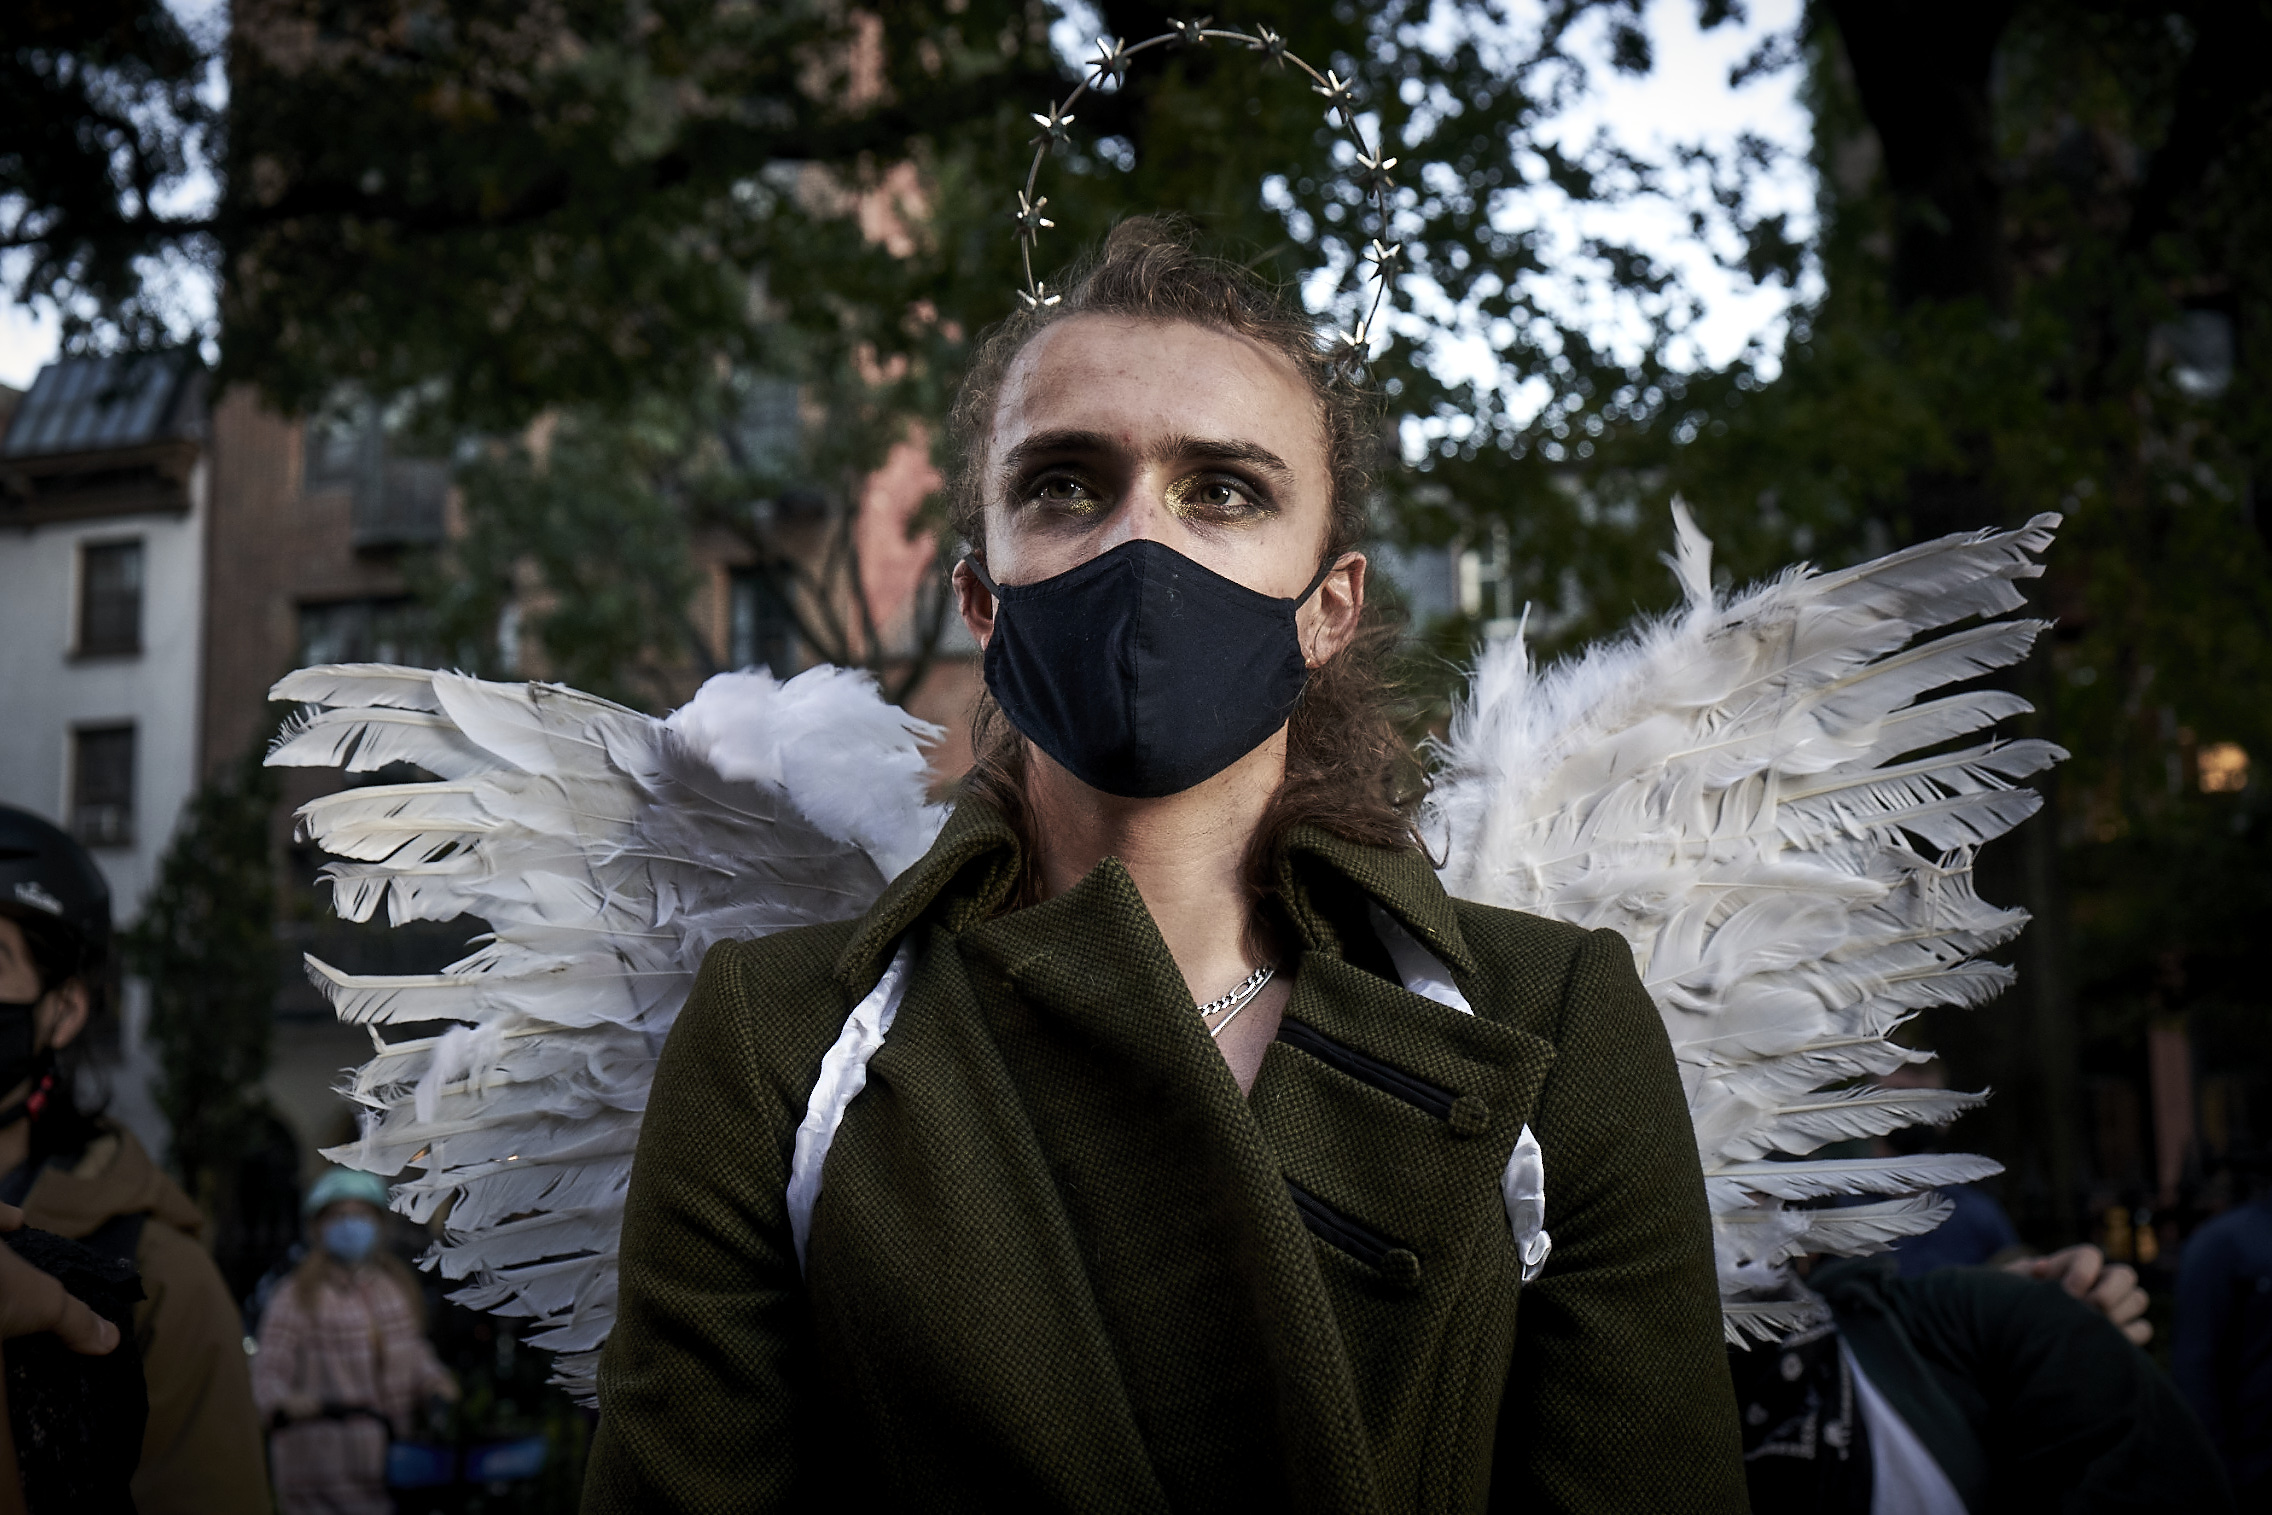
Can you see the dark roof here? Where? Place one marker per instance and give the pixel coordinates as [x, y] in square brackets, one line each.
[122, 400]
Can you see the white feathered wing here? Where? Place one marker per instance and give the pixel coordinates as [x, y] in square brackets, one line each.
[1738, 790]
[607, 851]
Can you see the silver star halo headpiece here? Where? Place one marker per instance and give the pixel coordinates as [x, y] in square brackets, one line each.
[1111, 63]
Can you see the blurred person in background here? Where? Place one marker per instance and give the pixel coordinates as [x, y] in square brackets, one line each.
[1978, 1233]
[85, 1178]
[344, 1364]
[1970, 1389]
[2222, 1354]
[81, 1399]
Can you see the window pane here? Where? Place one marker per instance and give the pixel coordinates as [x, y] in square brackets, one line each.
[102, 786]
[334, 452]
[393, 630]
[763, 632]
[110, 598]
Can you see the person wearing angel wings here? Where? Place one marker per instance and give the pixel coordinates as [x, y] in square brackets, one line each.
[1165, 1191]
[1166, 1126]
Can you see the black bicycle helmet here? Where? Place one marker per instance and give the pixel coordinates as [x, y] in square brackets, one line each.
[47, 878]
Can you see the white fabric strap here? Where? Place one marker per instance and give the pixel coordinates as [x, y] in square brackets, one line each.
[843, 1074]
[1523, 1185]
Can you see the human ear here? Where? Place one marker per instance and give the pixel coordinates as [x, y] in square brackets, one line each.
[62, 1014]
[1328, 622]
[975, 602]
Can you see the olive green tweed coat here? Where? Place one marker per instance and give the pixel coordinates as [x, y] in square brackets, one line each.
[1059, 1263]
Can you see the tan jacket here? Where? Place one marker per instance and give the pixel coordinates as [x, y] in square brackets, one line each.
[201, 1452]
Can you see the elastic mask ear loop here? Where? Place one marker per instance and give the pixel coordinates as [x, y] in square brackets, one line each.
[1325, 571]
[978, 570]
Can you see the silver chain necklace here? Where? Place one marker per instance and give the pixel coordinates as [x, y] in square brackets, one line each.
[1229, 1005]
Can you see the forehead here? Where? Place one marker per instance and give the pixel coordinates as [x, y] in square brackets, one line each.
[1130, 378]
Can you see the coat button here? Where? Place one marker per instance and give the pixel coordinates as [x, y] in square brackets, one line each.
[1470, 1116]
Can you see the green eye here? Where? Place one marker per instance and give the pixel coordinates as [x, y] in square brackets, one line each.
[1062, 492]
[1216, 495]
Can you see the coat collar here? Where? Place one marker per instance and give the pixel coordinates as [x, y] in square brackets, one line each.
[968, 873]
[973, 866]
[1400, 879]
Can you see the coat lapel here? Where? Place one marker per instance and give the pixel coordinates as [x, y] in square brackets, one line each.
[951, 1297]
[1202, 1270]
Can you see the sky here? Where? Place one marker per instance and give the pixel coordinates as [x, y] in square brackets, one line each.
[29, 335]
[1684, 99]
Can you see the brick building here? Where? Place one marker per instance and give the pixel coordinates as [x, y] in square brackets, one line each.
[165, 557]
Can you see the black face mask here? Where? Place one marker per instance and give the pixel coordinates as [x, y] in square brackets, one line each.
[1142, 672]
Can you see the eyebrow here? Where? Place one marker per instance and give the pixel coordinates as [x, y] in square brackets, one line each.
[1045, 444]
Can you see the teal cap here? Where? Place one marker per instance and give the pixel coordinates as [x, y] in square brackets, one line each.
[345, 1183]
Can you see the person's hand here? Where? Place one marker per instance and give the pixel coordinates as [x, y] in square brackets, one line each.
[446, 1388]
[2111, 1289]
[32, 1301]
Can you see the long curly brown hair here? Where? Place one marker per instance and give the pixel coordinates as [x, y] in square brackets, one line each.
[1348, 769]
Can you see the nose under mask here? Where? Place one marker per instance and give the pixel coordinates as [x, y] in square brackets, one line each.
[1142, 672]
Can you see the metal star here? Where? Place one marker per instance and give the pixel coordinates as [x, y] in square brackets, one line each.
[1374, 173]
[1029, 217]
[1270, 45]
[1191, 33]
[1111, 61]
[1340, 94]
[1355, 354]
[1038, 297]
[1052, 126]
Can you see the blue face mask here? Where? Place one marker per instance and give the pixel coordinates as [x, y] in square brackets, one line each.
[351, 1237]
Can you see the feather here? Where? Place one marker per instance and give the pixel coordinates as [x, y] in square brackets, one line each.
[1769, 1321]
[1760, 792]
[822, 736]
[361, 740]
[359, 685]
[1825, 1179]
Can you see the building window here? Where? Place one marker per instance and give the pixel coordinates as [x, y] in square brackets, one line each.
[763, 633]
[386, 630]
[110, 599]
[102, 785]
[393, 501]
[339, 449]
